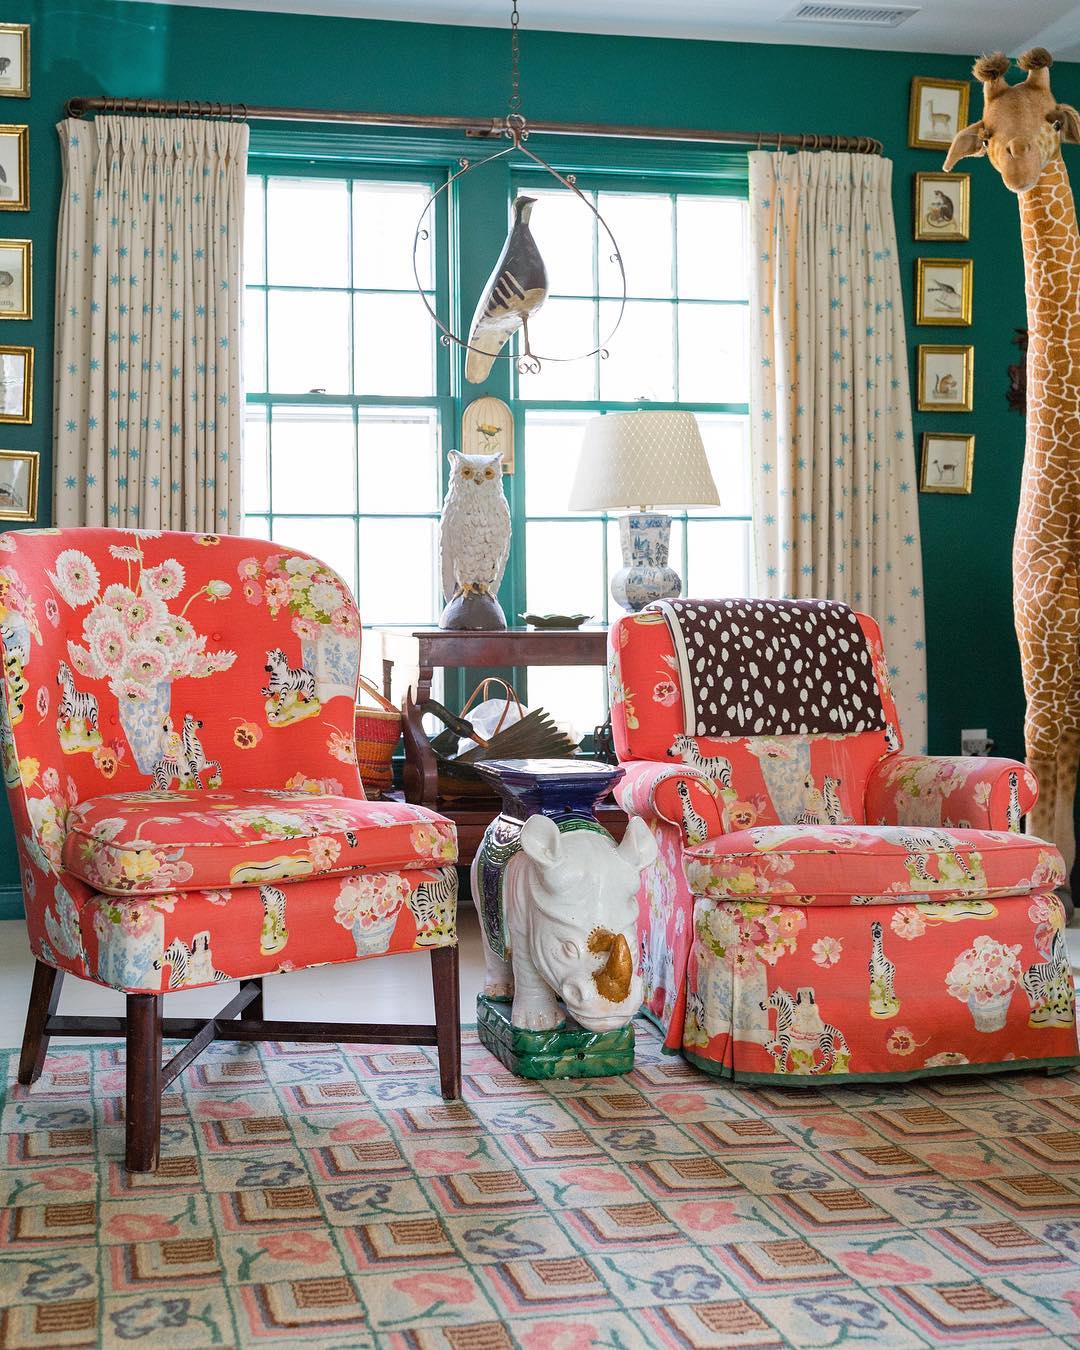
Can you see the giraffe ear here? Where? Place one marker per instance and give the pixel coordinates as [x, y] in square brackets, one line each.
[1065, 119]
[967, 141]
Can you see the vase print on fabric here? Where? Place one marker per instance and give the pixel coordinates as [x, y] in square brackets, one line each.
[985, 976]
[369, 906]
[130, 940]
[322, 617]
[134, 641]
[883, 1000]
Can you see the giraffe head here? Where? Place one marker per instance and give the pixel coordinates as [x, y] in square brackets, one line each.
[1022, 125]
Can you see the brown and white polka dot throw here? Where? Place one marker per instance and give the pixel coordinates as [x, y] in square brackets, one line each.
[772, 668]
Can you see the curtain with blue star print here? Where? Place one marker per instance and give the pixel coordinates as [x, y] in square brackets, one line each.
[834, 482]
[149, 410]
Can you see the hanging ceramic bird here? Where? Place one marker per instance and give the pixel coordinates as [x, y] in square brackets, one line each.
[514, 292]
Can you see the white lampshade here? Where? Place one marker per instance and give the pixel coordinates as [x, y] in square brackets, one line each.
[646, 458]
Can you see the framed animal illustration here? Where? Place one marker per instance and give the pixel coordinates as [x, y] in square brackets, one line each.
[14, 60]
[945, 378]
[18, 484]
[14, 168]
[943, 291]
[942, 206]
[16, 384]
[15, 278]
[947, 462]
[937, 111]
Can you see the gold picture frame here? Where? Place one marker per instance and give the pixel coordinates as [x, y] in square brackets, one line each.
[16, 384]
[19, 484]
[932, 124]
[942, 207]
[943, 291]
[945, 378]
[16, 279]
[15, 49]
[941, 470]
[14, 163]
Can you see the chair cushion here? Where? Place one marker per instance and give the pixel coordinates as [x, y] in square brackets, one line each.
[150, 843]
[866, 865]
[183, 939]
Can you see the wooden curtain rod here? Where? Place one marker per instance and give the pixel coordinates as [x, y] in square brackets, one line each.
[471, 126]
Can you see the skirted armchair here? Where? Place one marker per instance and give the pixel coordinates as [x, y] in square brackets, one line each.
[178, 749]
[823, 903]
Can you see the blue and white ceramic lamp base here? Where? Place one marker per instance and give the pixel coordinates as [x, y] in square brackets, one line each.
[645, 575]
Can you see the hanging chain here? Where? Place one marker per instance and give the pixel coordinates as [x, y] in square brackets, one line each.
[514, 106]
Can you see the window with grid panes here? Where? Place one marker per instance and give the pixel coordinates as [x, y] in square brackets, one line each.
[682, 343]
[347, 390]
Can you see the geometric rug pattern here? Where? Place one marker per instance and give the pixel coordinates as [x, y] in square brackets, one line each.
[326, 1196]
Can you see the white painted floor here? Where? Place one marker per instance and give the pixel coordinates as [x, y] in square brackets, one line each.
[390, 989]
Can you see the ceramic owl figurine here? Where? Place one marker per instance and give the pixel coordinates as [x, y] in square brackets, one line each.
[474, 542]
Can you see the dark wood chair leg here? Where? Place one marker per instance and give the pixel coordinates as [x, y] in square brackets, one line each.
[444, 980]
[143, 1109]
[44, 1000]
[255, 1010]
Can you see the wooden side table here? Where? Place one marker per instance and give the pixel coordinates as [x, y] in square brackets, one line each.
[409, 661]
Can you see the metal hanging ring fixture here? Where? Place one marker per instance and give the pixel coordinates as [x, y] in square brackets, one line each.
[517, 129]
[527, 363]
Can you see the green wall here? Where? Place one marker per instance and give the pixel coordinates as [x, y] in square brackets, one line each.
[108, 46]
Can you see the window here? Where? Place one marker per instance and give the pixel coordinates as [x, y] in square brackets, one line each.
[350, 399]
[683, 342]
[346, 386]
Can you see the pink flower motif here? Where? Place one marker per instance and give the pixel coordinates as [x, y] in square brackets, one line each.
[665, 692]
[297, 1247]
[248, 568]
[141, 1227]
[704, 1216]
[595, 1179]
[253, 592]
[826, 951]
[356, 1131]
[67, 1179]
[561, 1336]
[436, 1286]
[908, 923]
[72, 791]
[345, 621]
[883, 1266]
[50, 781]
[52, 611]
[442, 1161]
[277, 592]
[307, 630]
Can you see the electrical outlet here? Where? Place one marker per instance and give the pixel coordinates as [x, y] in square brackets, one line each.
[975, 742]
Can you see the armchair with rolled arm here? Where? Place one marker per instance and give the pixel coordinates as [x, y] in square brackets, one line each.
[823, 903]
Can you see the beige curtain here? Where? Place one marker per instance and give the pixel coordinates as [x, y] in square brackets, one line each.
[148, 407]
[834, 478]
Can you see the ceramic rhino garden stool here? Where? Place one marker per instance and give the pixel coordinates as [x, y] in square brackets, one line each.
[558, 909]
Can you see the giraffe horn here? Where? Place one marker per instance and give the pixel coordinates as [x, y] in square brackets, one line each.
[1037, 63]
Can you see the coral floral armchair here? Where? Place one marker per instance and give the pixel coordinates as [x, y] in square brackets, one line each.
[823, 903]
[177, 745]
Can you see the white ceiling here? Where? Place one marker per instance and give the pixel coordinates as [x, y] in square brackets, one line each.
[961, 26]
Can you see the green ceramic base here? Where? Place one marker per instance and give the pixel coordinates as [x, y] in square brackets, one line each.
[569, 1052]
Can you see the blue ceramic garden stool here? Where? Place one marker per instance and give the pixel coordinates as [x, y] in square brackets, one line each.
[567, 792]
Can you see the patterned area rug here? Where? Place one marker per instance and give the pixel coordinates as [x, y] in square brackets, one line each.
[327, 1197]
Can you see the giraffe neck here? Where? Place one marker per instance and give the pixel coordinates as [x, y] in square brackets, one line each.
[1051, 264]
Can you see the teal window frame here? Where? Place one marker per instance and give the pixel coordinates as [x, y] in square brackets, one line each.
[464, 257]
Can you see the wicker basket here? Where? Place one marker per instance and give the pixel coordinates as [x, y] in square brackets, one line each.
[378, 731]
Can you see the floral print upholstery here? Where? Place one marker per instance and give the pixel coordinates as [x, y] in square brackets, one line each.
[177, 743]
[870, 865]
[825, 904]
[153, 842]
[969, 792]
